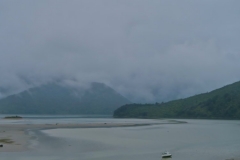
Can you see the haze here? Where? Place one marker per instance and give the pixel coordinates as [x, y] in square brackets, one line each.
[148, 51]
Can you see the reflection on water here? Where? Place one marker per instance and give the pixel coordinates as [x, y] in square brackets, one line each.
[195, 140]
[166, 158]
[198, 139]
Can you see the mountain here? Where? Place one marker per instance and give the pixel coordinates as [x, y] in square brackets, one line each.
[57, 99]
[223, 103]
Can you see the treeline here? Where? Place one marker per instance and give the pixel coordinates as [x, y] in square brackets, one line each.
[223, 103]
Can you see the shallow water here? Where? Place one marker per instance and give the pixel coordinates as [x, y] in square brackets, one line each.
[195, 140]
[69, 119]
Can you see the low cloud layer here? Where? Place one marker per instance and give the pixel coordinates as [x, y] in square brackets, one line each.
[147, 50]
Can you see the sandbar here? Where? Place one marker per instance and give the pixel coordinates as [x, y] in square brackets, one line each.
[15, 137]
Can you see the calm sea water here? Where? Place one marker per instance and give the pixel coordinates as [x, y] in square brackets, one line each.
[195, 140]
[65, 119]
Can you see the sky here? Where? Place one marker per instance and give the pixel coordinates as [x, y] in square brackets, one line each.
[149, 51]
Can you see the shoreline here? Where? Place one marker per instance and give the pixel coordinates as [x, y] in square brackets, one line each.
[16, 137]
[25, 137]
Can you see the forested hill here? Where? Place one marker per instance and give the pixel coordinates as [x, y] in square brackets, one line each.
[223, 103]
[54, 98]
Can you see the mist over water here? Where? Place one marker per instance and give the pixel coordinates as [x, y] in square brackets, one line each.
[195, 140]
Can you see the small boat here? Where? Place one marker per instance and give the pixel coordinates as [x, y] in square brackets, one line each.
[166, 155]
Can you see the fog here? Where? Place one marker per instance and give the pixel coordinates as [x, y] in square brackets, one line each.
[146, 50]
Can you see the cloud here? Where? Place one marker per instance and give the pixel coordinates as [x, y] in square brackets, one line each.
[148, 51]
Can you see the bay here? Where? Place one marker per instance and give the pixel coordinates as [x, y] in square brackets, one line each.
[194, 140]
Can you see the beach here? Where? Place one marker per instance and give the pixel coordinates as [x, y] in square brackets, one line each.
[107, 139]
[15, 137]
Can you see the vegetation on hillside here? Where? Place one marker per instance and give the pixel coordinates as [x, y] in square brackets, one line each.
[223, 103]
[57, 99]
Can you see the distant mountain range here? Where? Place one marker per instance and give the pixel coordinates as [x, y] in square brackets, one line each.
[223, 103]
[54, 98]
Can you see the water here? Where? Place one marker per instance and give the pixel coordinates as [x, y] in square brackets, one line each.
[68, 119]
[195, 140]
[52, 119]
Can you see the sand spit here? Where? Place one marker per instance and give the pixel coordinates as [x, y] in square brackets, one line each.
[14, 137]
[13, 140]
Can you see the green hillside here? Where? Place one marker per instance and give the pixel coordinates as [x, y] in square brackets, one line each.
[223, 103]
[56, 99]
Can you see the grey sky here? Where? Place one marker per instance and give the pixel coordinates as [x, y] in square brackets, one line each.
[147, 50]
